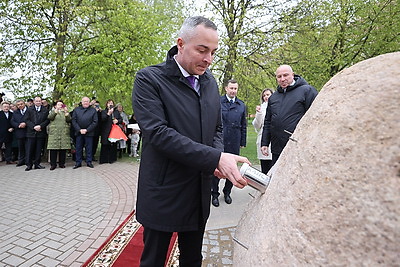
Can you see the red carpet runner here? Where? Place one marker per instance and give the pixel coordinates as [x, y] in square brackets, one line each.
[125, 245]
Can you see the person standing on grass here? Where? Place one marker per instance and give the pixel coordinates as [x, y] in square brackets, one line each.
[177, 107]
[258, 123]
[286, 107]
[234, 123]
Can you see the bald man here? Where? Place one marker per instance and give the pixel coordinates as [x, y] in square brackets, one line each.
[84, 123]
[286, 107]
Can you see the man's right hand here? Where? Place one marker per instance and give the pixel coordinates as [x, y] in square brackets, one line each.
[264, 150]
[227, 168]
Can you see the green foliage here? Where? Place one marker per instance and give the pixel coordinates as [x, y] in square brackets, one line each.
[73, 48]
[317, 38]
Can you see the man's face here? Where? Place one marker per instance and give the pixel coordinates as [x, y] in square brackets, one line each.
[231, 89]
[85, 102]
[21, 105]
[6, 107]
[284, 76]
[197, 53]
[37, 101]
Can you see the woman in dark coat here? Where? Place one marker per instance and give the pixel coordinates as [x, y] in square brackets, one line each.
[109, 116]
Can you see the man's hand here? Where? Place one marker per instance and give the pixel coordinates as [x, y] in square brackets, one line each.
[227, 168]
[264, 150]
[83, 131]
[37, 128]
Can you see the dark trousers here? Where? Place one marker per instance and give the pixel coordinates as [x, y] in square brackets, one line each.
[62, 154]
[8, 150]
[266, 165]
[156, 245]
[215, 187]
[95, 145]
[33, 151]
[275, 158]
[87, 142]
[21, 150]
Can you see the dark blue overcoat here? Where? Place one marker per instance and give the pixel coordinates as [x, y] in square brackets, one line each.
[234, 123]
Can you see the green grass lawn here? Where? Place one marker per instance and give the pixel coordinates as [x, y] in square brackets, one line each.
[250, 151]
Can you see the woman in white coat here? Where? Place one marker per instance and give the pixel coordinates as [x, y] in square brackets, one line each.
[258, 123]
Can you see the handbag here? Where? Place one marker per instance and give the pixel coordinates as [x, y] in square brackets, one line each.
[116, 134]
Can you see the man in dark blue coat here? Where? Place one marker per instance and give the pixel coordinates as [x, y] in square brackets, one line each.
[6, 130]
[18, 122]
[84, 123]
[36, 133]
[176, 104]
[235, 130]
[286, 107]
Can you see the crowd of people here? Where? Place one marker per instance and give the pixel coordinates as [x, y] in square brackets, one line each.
[32, 131]
[192, 137]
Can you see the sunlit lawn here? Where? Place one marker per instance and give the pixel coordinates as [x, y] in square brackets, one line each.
[250, 151]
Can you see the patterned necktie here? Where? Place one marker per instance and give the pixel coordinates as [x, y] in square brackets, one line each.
[231, 101]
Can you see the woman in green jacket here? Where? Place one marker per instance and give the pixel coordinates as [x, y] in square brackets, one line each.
[59, 134]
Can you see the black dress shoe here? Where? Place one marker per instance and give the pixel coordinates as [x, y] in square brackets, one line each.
[10, 162]
[228, 199]
[77, 166]
[90, 165]
[20, 164]
[38, 167]
[52, 168]
[28, 168]
[62, 166]
[215, 201]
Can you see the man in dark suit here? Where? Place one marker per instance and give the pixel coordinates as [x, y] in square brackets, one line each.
[18, 122]
[235, 130]
[176, 104]
[6, 130]
[84, 122]
[36, 134]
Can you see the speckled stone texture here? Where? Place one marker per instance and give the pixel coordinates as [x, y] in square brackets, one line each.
[334, 197]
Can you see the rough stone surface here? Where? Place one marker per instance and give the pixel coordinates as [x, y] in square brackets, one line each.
[334, 197]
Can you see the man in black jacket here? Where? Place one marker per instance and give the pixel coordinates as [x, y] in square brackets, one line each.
[18, 122]
[286, 107]
[6, 130]
[176, 104]
[36, 133]
[84, 122]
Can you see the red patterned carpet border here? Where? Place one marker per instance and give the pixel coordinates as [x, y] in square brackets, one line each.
[125, 245]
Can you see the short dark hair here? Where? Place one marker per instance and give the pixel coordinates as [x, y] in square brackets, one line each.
[230, 81]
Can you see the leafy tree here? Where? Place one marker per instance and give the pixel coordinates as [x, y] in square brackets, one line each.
[319, 39]
[82, 47]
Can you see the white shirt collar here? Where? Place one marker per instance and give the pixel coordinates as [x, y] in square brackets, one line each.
[184, 72]
[229, 99]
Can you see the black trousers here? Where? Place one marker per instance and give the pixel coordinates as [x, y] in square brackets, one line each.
[156, 245]
[34, 148]
[215, 187]
[275, 158]
[8, 150]
[266, 165]
[62, 154]
[21, 150]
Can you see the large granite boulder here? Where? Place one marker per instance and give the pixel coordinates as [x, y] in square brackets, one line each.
[334, 197]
